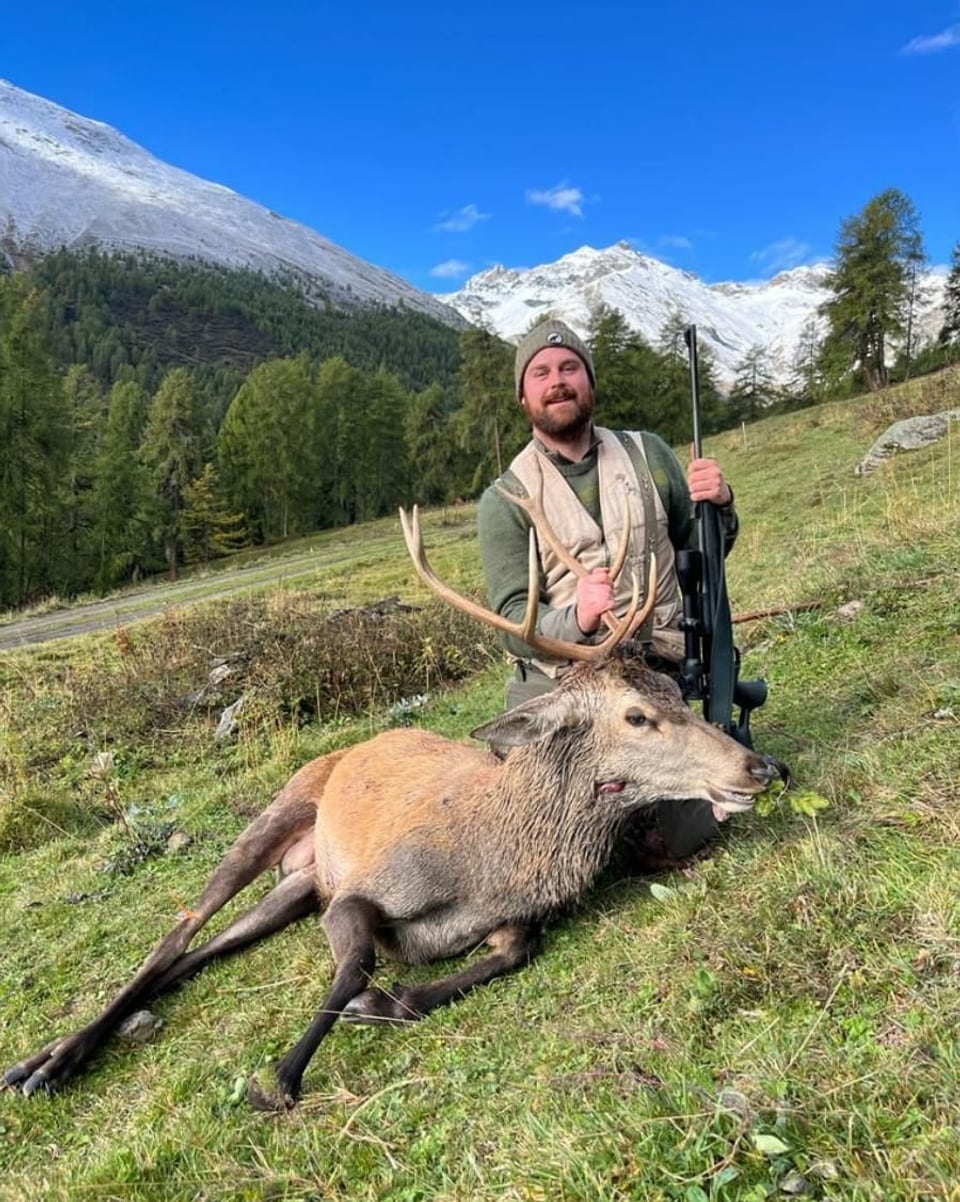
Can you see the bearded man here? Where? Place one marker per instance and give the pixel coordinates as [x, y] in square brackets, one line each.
[594, 481]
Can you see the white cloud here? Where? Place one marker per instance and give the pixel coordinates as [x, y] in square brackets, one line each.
[934, 43]
[563, 198]
[449, 269]
[676, 241]
[782, 255]
[462, 221]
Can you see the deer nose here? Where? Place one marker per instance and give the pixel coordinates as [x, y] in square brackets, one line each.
[766, 768]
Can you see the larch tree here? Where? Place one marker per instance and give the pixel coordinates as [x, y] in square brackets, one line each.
[85, 413]
[266, 448]
[122, 494]
[35, 446]
[491, 424]
[437, 464]
[879, 254]
[209, 528]
[173, 452]
[950, 330]
[754, 387]
[341, 414]
[627, 370]
[806, 374]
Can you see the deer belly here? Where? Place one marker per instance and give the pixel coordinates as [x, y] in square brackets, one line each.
[437, 935]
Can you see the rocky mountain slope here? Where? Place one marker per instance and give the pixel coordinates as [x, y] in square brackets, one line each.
[68, 181]
[731, 318]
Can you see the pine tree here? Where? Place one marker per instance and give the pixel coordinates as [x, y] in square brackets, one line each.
[807, 384]
[950, 330]
[122, 499]
[172, 449]
[266, 448]
[35, 448]
[754, 388]
[879, 254]
[209, 528]
[491, 424]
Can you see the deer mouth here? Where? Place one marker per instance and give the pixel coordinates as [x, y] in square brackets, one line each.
[729, 801]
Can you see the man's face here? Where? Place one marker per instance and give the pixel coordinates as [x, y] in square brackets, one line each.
[557, 393]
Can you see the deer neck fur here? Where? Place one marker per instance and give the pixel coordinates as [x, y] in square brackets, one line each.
[549, 823]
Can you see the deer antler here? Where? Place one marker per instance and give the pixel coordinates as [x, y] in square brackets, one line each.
[526, 630]
[534, 507]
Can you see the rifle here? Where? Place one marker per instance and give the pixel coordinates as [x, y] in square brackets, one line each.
[711, 665]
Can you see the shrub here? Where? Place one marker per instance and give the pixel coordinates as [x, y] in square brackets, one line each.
[155, 692]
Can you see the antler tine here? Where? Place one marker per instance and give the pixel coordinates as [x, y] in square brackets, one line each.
[533, 505]
[526, 630]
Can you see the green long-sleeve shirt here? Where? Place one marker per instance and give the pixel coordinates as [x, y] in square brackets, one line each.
[503, 534]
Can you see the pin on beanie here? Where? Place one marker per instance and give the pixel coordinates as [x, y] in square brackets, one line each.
[550, 333]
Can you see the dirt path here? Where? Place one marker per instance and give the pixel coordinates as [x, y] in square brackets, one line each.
[322, 562]
[126, 608]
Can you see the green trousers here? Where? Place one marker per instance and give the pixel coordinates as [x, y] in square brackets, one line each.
[683, 826]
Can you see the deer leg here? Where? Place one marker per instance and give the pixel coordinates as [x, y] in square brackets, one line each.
[513, 947]
[350, 924]
[263, 844]
[293, 898]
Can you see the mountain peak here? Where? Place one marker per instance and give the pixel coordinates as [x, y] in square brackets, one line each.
[733, 317]
[70, 181]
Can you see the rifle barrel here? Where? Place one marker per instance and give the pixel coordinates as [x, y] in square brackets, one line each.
[690, 336]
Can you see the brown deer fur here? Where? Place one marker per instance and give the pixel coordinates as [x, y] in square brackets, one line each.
[421, 848]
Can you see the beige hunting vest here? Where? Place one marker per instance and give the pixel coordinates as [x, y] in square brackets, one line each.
[620, 491]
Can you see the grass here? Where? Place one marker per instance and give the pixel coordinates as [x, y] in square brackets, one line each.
[778, 1019]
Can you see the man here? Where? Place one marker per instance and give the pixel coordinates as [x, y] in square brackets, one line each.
[593, 481]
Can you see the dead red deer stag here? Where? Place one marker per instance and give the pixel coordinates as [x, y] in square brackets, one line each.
[422, 848]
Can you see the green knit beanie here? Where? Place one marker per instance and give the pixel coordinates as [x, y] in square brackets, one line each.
[550, 332]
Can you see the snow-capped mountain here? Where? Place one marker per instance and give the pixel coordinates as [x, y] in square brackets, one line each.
[69, 181]
[730, 318]
[66, 180]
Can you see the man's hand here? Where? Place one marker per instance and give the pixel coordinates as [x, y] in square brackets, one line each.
[706, 482]
[594, 598]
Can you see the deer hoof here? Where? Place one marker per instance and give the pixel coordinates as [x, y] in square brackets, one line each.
[13, 1076]
[35, 1082]
[44, 1072]
[379, 1006]
[268, 1100]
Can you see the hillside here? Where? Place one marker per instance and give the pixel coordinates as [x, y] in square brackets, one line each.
[140, 315]
[67, 181]
[777, 1018]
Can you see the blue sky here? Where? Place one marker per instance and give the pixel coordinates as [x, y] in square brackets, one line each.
[437, 140]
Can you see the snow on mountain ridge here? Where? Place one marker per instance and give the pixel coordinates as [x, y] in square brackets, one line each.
[67, 180]
[731, 317]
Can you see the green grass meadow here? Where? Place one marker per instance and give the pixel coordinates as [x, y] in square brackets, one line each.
[778, 1019]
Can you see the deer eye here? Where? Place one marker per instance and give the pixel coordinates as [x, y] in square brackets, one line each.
[636, 718]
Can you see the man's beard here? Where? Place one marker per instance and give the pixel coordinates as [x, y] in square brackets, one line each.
[571, 425]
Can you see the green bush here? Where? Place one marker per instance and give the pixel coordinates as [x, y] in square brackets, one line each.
[153, 693]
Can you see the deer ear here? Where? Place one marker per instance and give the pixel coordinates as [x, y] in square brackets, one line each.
[529, 721]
